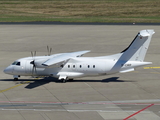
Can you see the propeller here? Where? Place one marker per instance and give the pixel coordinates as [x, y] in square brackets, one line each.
[33, 62]
[49, 50]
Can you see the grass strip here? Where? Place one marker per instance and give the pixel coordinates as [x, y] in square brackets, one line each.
[144, 11]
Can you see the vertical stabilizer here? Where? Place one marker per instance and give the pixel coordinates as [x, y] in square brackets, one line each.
[137, 50]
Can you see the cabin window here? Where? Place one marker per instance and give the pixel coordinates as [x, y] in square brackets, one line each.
[88, 66]
[62, 66]
[93, 66]
[68, 66]
[73, 66]
[80, 66]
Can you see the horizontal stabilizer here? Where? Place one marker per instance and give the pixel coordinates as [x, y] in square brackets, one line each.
[133, 64]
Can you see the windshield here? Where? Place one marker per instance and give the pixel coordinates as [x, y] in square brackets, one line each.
[16, 63]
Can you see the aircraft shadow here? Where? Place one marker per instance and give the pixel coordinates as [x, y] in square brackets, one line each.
[38, 83]
[33, 83]
[107, 80]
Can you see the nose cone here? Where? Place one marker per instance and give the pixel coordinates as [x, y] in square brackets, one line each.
[8, 70]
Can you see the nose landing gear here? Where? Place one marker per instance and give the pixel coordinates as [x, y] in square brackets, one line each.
[16, 77]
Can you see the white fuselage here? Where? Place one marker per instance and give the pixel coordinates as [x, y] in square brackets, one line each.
[76, 67]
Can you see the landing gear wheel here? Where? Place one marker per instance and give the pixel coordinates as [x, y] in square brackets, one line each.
[71, 79]
[15, 79]
[63, 80]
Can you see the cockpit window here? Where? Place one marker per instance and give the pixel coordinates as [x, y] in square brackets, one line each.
[16, 63]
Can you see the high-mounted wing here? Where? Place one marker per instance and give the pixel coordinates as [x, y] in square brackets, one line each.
[63, 58]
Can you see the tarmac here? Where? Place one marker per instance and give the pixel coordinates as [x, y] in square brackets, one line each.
[128, 96]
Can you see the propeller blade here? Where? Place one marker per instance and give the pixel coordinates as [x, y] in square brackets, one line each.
[32, 71]
[34, 68]
[50, 51]
[33, 62]
[32, 53]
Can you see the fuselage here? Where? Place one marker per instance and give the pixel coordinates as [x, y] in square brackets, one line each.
[75, 67]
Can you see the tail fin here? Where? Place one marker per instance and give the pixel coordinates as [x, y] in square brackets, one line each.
[136, 51]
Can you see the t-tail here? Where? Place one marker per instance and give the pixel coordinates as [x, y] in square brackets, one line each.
[133, 56]
[137, 50]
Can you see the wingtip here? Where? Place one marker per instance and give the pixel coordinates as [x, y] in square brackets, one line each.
[87, 51]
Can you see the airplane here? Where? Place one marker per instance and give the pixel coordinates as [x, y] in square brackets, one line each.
[67, 66]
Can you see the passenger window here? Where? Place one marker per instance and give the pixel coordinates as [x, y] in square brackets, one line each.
[68, 66]
[62, 66]
[88, 66]
[80, 66]
[93, 66]
[73, 66]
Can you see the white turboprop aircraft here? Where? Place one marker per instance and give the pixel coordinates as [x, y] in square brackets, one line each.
[66, 66]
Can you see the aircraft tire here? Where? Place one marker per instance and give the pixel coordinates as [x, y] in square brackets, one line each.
[15, 79]
[71, 79]
[63, 80]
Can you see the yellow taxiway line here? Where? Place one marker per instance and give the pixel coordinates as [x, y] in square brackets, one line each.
[1, 91]
[151, 67]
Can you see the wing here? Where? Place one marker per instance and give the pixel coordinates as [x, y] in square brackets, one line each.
[62, 58]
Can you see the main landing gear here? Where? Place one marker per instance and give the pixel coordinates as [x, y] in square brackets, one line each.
[65, 80]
